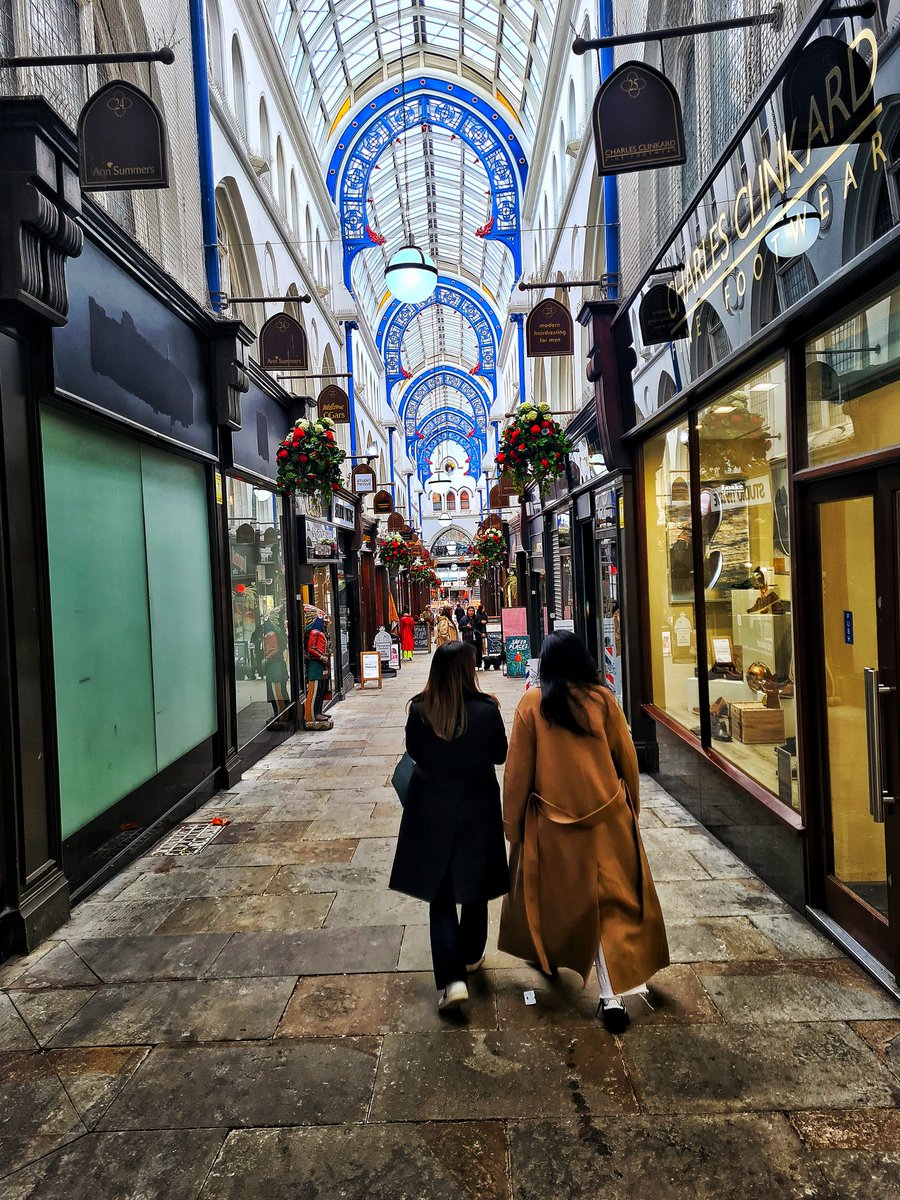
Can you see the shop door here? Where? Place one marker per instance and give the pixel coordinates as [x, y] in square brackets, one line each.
[611, 616]
[857, 525]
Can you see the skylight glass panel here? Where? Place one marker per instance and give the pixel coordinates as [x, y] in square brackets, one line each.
[478, 50]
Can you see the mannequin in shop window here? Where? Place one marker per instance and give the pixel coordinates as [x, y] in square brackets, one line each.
[274, 664]
[318, 667]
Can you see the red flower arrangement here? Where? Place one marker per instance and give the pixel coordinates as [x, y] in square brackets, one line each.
[421, 572]
[488, 551]
[395, 554]
[309, 461]
[533, 447]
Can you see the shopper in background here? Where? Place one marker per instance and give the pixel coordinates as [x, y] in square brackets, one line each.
[450, 850]
[582, 895]
[467, 627]
[407, 634]
[446, 630]
[481, 622]
[458, 614]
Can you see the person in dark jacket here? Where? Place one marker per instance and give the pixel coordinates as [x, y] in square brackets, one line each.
[480, 623]
[467, 628]
[451, 849]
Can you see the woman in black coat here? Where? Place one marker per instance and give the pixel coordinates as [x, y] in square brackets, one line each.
[451, 848]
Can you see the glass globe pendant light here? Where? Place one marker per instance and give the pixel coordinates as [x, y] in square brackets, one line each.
[793, 228]
[411, 275]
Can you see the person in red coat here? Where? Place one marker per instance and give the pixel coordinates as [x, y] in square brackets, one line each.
[407, 640]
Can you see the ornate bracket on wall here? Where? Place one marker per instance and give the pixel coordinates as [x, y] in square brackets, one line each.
[230, 376]
[40, 201]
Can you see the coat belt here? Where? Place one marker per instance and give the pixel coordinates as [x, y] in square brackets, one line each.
[537, 808]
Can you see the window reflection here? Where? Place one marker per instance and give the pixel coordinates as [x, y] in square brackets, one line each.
[258, 605]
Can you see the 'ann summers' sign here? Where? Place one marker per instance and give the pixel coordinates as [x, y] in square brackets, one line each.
[121, 141]
[282, 344]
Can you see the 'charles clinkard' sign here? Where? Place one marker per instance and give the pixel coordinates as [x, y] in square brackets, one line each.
[793, 185]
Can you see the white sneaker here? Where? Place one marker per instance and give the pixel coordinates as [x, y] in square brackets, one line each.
[475, 966]
[452, 996]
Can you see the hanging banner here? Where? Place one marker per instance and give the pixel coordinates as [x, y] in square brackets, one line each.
[637, 121]
[548, 330]
[362, 480]
[383, 503]
[662, 316]
[828, 94]
[121, 141]
[334, 402]
[282, 344]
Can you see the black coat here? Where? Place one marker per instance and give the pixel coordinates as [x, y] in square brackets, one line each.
[453, 820]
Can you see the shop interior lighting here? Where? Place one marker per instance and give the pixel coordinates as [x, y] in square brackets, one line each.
[793, 228]
[763, 387]
[411, 275]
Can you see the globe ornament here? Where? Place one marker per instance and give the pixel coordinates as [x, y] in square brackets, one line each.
[761, 680]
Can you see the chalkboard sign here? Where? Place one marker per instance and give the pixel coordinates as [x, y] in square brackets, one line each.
[518, 652]
[422, 637]
[494, 642]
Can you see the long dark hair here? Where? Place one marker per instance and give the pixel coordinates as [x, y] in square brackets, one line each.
[566, 669]
[451, 679]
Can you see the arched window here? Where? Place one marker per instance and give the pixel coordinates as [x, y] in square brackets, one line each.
[214, 41]
[555, 191]
[436, 505]
[464, 501]
[451, 502]
[327, 269]
[318, 256]
[280, 176]
[295, 204]
[265, 137]
[571, 114]
[548, 240]
[307, 245]
[239, 85]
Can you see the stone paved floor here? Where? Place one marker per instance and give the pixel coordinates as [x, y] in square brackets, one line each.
[258, 1020]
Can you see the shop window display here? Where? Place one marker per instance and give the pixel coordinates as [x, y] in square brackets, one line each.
[742, 451]
[670, 574]
[259, 608]
[853, 393]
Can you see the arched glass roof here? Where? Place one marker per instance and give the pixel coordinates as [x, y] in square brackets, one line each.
[337, 50]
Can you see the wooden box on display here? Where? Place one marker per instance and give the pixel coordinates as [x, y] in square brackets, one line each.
[753, 723]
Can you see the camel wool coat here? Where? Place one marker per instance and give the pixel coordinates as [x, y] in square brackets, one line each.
[580, 877]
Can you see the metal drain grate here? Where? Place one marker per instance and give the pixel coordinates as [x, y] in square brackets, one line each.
[187, 839]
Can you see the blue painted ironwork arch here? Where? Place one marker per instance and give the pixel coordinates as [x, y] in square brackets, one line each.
[453, 379]
[450, 293]
[428, 101]
[455, 431]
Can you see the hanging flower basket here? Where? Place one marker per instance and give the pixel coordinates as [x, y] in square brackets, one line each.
[421, 573]
[309, 461]
[735, 442]
[395, 554]
[477, 569]
[533, 447]
[490, 545]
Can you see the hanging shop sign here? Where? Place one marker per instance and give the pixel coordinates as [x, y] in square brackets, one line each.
[788, 200]
[827, 96]
[662, 315]
[548, 330]
[362, 480]
[319, 539]
[637, 121]
[395, 522]
[122, 141]
[333, 402]
[343, 514]
[383, 502]
[282, 344]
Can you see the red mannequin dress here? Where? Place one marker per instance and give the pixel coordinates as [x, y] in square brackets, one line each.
[407, 641]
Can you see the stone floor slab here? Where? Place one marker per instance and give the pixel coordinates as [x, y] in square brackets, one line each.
[858, 1153]
[14, 1032]
[717, 939]
[691, 899]
[297, 880]
[33, 1102]
[150, 956]
[200, 881]
[478, 1075]
[319, 1081]
[93, 1076]
[740, 1068]
[816, 991]
[45, 1012]
[324, 829]
[375, 852]
[133, 1166]
[262, 854]
[95, 919]
[375, 907]
[794, 937]
[339, 1005]
[233, 914]
[59, 968]
[206, 1010]
[757, 1157]
[277, 832]
[362, 950]
[884, 1038]
[464, 1161]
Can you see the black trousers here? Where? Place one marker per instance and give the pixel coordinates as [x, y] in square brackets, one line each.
[455, 940]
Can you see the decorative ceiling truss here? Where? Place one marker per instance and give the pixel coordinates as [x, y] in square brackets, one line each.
[453, 431]
[440, 390]
[450, 294]
[465, 167]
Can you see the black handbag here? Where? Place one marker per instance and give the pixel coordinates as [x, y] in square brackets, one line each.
[402, 777]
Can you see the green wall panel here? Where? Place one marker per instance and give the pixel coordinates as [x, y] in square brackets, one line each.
[101, 626]
[176, 523]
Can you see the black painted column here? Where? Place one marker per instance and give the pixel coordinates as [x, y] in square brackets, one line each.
[39, 201]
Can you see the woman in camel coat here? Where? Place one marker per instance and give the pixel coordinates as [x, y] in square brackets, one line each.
[582, 892]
